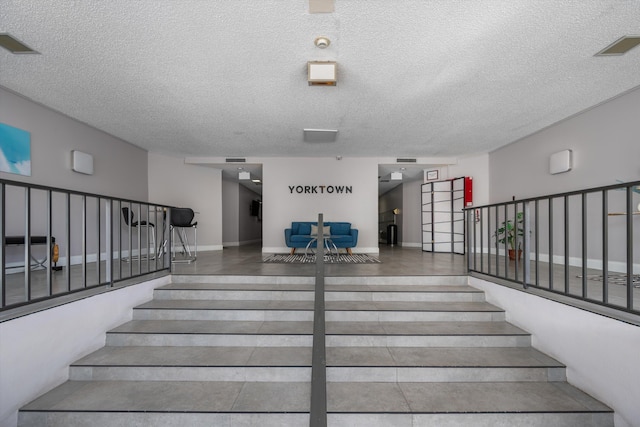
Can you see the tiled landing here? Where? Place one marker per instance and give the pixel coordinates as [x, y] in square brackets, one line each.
[400, 352]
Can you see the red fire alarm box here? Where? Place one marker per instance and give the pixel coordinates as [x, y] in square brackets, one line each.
[468, 191]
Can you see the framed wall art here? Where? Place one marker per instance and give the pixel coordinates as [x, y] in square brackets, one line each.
[15, 150]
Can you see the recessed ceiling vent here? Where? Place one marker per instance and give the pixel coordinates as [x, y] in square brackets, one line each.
[13, 45]
[236, 160]
[620, 46]
[406, 160]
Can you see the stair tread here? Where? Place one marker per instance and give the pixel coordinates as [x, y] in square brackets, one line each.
[347, 397]
[423, 328]
[332, 328]
[357, 397]
[301, 356]
[178, 304]
[236, 287]
[328, 288]
[213, 327]
[175, 396]
[197, 356]
[403, 288]
[438, 357]
[421, 306]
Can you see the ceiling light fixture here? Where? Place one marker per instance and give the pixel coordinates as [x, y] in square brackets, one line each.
[320, 135]
[396, 176]
[620, 46]
[321, 73]
[244, 175]
[321, 6]
[322, 42]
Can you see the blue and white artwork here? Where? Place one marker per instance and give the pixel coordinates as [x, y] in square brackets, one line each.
[15, 150]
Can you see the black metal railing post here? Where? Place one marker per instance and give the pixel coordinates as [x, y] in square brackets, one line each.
[578, 257]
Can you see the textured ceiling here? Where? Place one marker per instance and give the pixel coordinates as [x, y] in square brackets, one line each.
[228, 77]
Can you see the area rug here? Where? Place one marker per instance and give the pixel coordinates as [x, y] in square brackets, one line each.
[328, 259]
[615, 279]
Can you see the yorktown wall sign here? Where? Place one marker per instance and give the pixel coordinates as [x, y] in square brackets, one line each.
[320, 189]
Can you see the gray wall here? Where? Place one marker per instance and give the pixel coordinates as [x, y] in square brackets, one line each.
[238, 227]
[250, 229]
[605, 148]
[411, 214]
[605, 143]
[230, 220]
[120, 169]
[386, 203]
[174, 183]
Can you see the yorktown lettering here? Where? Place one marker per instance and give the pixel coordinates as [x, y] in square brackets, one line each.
[321, 189]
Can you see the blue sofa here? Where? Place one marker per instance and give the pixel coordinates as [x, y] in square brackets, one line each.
[341, 233]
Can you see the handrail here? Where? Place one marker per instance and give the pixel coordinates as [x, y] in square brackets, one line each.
[96, 248]
[318, 404]
[571, 243]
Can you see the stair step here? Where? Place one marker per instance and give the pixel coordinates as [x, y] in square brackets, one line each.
[225, 310]
[400, 352]
[407, 311]
[502, 403]
[195, 364]
[166, 397]
[469, 397]
[537, 404]
[381, 364]
[425, 334]
[212, 333]
[303, 310]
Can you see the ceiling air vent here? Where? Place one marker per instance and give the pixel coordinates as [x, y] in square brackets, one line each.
[620, 46]
[406, 160]
[236, 160]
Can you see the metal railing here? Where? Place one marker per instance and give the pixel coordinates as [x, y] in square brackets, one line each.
[58, 241]
[582, 244]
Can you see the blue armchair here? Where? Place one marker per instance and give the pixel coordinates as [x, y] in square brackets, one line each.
[341, 233]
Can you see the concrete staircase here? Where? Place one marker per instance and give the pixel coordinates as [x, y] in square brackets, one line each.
[400, 352]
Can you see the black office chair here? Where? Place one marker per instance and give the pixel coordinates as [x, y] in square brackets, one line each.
[181, 220]
[129, 220]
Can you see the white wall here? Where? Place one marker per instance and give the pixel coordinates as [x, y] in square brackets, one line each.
[601, 354]
[280, 207]
[174, 183]
[605, 146]
[57, 337]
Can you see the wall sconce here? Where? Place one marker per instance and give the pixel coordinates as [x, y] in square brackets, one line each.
[81, 162]
[321, 73]
[560, 162]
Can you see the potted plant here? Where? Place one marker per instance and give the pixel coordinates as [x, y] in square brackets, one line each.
[508, 231]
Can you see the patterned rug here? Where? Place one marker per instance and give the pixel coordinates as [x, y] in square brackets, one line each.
[615, 279]
[328, 259]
